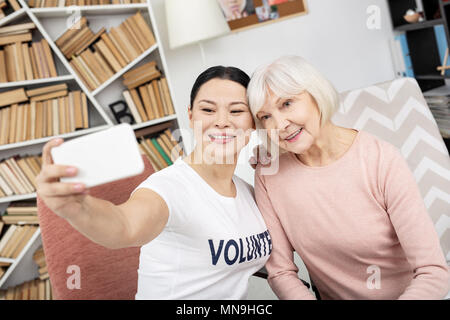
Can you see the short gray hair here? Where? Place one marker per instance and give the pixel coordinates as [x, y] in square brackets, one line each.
[288, 76]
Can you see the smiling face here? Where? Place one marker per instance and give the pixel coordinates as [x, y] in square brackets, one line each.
[293, 123]
[221, 119]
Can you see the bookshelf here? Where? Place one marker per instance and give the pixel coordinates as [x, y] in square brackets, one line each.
[50, 24]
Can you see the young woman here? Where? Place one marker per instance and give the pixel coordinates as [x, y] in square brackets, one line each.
[200, 231]
[343, 199]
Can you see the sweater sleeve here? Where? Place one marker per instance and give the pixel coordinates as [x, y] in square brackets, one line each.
[414, 229]
[282, 271]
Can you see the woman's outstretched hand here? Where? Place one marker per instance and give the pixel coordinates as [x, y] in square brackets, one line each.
[64, 199]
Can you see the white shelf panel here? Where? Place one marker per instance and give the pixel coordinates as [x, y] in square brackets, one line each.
[18, 197]
[125, 69]
[19, 258]
[88, 10]
[45, 139]
[153, 122]
[7, 260]
[36, 81]
[13, 16]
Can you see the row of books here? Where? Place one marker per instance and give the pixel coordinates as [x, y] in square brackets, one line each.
[96, 57]
[149, 101]
[7, 7]
[15, 239]
[21, 60]
[31, 290]
[21, 212]
[66, 3]
[440, 108]
[161, 150]
[39, 259]
[18, 175]
[38, 119]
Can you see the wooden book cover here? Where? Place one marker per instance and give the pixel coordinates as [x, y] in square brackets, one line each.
[132, 106]
[50, 95]
[27, 62]
[153, 158]
[32, 121]
[120, 45]
[37, 58]
[4, 129]
[101, 47]
[7, 236]
[154, 84]
[39, 120]
[121, 58]
[105, 66]
[49, 106]
[137, 72]
[75, 65]
[13, 242]
[46, 89]
[42, 60]
[145, 29]
[34, 63]
[49, 58]
[144, 42]
[4, 185]
[153, 102]
[90, 41]
[12, 96]
[19, 123]
[29, 174]
[137, 102]
[44, 118]
[161, 160]
[87, 71]
[65, 103]
[20, 175]
[147, 102]
[14, 4]
[131, 37]
[128, 41]
[93, 66]
[62, 116]
[24, 241]
[12, 127]
[166, 148]
[71, 107]
[3, 74]
[22, 27]
[10, 63]
[55, 116]
[167, 95]
[85, 111]
[19, 65]
[66, 36]
[163, 98]
[24, 37]
[76, 96]
[26, 123]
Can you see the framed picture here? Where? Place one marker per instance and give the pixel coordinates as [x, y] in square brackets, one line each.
[243, 14]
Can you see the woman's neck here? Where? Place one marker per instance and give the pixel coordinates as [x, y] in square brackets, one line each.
[329, 146]
[218, 176]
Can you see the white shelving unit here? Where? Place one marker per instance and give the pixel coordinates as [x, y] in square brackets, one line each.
[50, 24]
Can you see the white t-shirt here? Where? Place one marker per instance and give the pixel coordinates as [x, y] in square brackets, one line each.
[211, 244]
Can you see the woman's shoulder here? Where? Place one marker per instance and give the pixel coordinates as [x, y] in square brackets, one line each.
[371, 144]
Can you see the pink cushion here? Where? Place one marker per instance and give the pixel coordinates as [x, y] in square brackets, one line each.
[105, 273]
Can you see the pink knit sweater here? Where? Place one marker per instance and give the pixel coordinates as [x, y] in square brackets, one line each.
[359, 225]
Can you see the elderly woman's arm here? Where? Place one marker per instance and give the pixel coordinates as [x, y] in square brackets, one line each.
[283, 278]
[414, 229]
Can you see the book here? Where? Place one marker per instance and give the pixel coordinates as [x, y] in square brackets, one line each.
[28, 234]
[166, 94]
[46, 89]
[7, 236]
[147, 102]
[3, 74]
[20, 219]
[13, 242]
[137, 118]
[159, 103]
[161, 151]
[107, 54]
[137, 102]
[7, 39]
[154, 151]
[154, 104]
[49, 58]
[50, 95]
[12, 97]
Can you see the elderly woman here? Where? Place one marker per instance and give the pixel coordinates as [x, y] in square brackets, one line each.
[343, 199]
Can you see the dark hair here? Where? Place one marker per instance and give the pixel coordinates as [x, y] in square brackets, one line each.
[219, 72]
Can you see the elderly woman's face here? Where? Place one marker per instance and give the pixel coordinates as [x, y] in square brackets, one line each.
[292, 123]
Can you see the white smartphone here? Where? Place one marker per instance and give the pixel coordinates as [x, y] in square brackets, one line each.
[101, 157]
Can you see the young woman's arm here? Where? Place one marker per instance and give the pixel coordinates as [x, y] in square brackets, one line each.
[282, 270]
[414, 229]
[133, 223]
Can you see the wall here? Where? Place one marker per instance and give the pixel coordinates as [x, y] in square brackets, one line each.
[333, 36]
